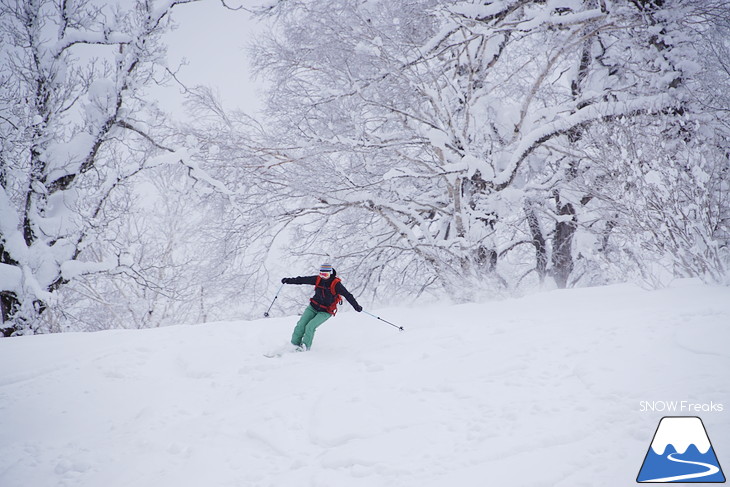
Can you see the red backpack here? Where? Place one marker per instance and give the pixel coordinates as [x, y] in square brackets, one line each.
[332, 308]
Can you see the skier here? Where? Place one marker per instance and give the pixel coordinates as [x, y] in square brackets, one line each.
[327, 291]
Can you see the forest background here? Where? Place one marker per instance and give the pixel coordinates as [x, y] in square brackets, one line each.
[432, 150]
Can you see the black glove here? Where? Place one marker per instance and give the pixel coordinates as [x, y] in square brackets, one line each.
[286, 280]
[358, 308]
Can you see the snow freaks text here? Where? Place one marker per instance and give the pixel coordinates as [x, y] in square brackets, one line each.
[680, 407]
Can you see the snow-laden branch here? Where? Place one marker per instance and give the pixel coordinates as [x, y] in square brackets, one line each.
[76, 37]
[584, 116]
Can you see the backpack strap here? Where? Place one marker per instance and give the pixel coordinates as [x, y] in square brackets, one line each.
[335, 281]
[338, 299]
[332, 308]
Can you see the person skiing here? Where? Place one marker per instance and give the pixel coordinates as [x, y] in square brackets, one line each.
[322, 306]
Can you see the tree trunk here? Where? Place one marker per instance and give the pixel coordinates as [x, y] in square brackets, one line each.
[563, 243]
[538, 241]
[8, 306]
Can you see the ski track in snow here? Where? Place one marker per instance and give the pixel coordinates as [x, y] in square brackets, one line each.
[542, 390]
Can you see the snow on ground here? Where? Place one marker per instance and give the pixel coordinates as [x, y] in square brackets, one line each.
[545, 390]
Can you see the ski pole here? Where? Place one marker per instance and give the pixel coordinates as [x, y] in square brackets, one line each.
[266, 314]
[381, 319]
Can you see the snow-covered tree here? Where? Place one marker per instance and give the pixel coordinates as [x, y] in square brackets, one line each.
[176, 262]
[666, 215]
[656, 188]
[439, 140]
[75, 130]
[246, 204]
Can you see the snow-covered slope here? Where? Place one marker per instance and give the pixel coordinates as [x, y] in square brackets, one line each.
[542, 390]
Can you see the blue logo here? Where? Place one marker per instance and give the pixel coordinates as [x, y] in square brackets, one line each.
[681, 452]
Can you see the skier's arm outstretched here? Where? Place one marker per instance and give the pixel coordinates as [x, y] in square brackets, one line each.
[342, 290]
[300, 280]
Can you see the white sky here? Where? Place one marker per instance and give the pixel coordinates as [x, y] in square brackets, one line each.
[214, 41]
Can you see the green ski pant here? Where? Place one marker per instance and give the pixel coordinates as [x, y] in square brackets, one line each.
[307, 325]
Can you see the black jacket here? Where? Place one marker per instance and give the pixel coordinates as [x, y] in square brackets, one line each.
[323, 296]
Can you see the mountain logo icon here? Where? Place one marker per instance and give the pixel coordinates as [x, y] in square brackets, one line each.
[680, 452]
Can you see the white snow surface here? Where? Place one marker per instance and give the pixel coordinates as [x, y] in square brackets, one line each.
[542, 390]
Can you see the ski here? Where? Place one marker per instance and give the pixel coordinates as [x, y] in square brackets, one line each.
[287, 350]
